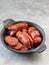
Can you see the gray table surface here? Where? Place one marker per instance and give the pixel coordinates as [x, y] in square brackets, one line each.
[36, 11]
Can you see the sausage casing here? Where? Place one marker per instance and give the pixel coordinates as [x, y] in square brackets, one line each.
[31, 40]
[24, 48]
[37, 40]
[24, 30]
[11, 41]
[12, 32]
[31, 29]
[17, 27]
[18, 46]
[23, 38]
[33, 33]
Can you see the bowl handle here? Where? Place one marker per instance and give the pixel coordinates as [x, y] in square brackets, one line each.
[8, 21]
[41, 48]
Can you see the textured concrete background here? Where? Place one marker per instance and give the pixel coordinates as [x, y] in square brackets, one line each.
[31, 10]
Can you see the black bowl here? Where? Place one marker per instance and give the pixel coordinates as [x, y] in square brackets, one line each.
[36, 49]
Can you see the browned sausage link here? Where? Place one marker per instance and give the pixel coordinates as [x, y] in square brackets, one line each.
[31, 40]
[12, 32]
[31, 29]
[11, 41]
[18, 26]
[24, 48]
[18, 46]
[33, 33]
[23, 38]
[8, 25]
[37, 40]
[25, 30]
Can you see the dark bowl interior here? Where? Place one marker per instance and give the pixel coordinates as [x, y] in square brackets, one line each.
[32, 49]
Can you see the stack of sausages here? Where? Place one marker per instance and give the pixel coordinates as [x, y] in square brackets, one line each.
[25, 36]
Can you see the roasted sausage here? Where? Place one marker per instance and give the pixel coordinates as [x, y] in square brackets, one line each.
[33, 33]
[25, 30]
[11, 41]
[31, 29]
[23, 38]
[12, 33]
[31, 40]
[21, 47]
[18, 26]
[18, 46]
[8, 25]
[24, 48]
[37, 40]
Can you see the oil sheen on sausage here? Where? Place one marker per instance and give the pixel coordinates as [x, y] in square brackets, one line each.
[11, 41]
[31, 40]
[23, 38]
[33, 33]
[18, 26]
